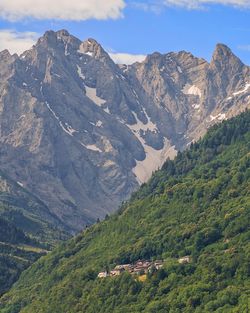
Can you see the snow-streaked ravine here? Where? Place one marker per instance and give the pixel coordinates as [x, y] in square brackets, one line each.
[91, 94]
[79, 71]
[68, 129]
[245, 89]
[154, 158]
[153, 161]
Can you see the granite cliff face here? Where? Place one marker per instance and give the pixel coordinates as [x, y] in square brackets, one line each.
[81, 133]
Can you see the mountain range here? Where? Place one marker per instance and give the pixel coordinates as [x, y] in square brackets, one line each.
[81, 133]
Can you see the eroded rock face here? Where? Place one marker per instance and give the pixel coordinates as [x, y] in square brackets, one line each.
[82, 133]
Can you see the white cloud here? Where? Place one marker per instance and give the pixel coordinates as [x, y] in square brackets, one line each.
[200, 4]
[16, 42]
[61, 9]
[126, 58]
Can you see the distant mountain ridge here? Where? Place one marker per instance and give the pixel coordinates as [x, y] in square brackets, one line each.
[81, 132]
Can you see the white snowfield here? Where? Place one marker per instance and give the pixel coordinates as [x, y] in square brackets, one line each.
[154, 158]
[82, 51]
[191, 90]
[220, 117]
[153, 161]
[91, 94]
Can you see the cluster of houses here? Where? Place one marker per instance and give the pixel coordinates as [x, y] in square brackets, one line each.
[184, 259]
[141, 267]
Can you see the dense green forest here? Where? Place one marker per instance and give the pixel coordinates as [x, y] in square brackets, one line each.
[197, 205]
[25, 231]
[17, 252]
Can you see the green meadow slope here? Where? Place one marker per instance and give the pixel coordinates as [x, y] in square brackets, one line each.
[197, 205]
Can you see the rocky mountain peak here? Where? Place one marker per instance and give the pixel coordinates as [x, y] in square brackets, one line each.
[5, 54]
[94, 49]
[81, 133]
[223, 58]
[63, 33]
[6, 59]
[222, 50]
[155, 57]
[58, 41]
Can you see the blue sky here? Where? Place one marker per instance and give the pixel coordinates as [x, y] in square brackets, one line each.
[133, 27]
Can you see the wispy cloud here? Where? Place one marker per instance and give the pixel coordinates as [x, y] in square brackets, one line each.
[158, 5]
[244, 47]
[126, 58]
[16, 42]
[155, 6]
[77, 10]
[201, 4]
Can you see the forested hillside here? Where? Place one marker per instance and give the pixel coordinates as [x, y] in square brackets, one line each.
[25, 231]
[197, 205]
[17, 252]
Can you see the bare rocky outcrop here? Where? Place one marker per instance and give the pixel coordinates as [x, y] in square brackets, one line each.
[81, 132]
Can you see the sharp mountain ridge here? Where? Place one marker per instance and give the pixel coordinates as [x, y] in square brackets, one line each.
[82, 133]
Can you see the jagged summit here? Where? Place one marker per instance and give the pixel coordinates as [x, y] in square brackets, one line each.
[5, 53]
[223, 55]
[94, 49]
[81, 133]
[222, 49]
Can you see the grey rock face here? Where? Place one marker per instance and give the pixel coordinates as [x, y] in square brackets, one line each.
[81, 133]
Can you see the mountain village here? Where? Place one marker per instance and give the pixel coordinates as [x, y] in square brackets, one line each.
[141, 267]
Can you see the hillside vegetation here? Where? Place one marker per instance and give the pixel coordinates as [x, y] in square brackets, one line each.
[197, 205]
[17, 252]
[25, 231]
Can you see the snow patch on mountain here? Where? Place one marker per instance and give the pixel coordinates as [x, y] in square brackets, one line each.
[79, 71]
[154, 158]
[99, 124]
[92, 147]
[140, 126]
[191, 90]
[245, 89]
[220, 117]
[196, 106]
[65, 126]
[91, 94]
[153, 161]
[81, 50]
